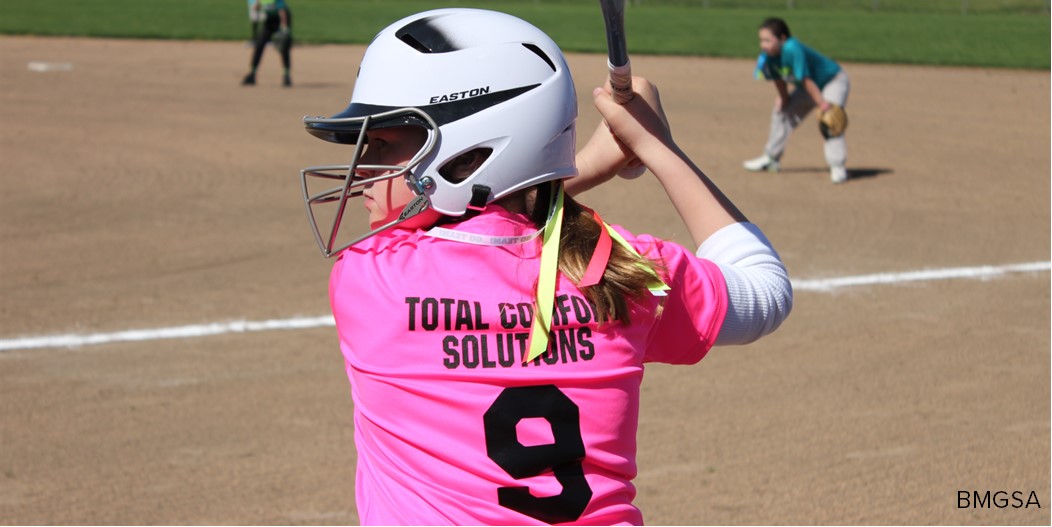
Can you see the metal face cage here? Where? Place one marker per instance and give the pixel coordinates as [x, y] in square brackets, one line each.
[348, 179]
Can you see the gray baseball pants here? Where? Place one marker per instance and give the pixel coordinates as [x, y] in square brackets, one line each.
[783, 122]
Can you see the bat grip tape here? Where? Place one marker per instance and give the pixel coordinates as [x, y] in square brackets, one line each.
[621, 82]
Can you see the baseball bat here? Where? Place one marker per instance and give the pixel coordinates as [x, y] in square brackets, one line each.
[618, 64]
[617, 61]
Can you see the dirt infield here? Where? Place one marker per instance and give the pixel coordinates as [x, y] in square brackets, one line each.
[144, 188]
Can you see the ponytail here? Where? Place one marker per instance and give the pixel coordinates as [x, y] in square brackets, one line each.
[627, 275]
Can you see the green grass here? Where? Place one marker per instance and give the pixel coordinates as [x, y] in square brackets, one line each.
[1008, 33]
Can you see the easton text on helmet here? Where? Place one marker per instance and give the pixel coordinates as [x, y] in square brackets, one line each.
[456, 96]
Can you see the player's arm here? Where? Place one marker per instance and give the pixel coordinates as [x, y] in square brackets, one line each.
[768, 71]
[639, 126]
[816, 94]
[802, 72]
[603, 156]
[783, 93]
[598, 161]
[759, 291]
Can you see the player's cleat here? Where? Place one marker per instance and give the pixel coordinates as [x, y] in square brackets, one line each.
[286, 81]
[249, 80]
[838, 174]
[759, 164]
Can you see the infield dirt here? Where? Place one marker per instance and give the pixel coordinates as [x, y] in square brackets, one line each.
[145, 188]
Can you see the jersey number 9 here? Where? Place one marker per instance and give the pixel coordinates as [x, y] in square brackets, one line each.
[562, 457]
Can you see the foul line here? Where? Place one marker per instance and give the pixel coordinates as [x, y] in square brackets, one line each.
[181, 332]
[221, 328]
[985, 272]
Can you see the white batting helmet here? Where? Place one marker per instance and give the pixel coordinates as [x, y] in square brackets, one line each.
[475, 79]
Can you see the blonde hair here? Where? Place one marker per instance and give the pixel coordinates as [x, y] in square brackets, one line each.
[627, 274]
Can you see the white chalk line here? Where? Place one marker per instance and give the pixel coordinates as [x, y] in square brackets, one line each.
[221, 328]
[180, 332]
[985, 272]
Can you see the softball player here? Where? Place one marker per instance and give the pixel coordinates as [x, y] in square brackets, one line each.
[494, 329]
[818, 81]
[276, 25]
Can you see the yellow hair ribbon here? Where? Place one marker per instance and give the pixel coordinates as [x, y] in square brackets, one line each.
[657, 286]
[540, 330]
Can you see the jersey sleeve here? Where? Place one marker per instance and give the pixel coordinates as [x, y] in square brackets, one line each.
[694, 308]
[794, 57]
[766, 70]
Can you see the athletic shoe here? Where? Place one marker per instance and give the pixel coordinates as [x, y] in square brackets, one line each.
[838, 174]
[249, 80]
[286, 81]
[764, 162]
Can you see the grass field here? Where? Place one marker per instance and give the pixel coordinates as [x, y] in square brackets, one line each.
[995, 33]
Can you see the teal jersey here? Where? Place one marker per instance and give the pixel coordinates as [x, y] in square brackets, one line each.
[796, 63]
[273, 6]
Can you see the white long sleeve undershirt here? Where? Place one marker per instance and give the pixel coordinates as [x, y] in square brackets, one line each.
[760, 295]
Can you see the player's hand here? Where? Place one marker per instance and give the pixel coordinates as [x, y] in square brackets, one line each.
[604, 156]
[637, 123]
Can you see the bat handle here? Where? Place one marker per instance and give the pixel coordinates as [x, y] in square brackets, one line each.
[621, 82]
[621, 86]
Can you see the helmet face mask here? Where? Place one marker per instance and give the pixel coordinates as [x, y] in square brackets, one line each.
[474, 79]
[349, 179]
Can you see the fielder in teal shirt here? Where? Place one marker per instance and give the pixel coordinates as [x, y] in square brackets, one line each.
[796, 63]
[817, 83]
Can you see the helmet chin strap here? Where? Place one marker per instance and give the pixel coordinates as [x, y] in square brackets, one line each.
[418, 205]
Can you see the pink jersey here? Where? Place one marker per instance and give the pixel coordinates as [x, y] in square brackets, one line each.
[452, 426]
